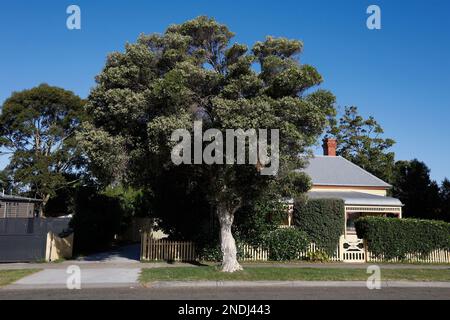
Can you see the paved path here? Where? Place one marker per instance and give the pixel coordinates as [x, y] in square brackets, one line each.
[125, 263]
[267, 293]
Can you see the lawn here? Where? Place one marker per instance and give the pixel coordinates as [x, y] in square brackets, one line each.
[10, 276]
[288, 274]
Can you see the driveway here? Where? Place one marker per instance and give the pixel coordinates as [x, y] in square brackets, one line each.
[124, 254]
[119, 267]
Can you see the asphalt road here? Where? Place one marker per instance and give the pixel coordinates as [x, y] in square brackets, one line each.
[263, 293]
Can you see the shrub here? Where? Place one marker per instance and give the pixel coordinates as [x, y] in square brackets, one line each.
[255, 220]
[210, 253]
[322, 220]
[395, 238]
[286, 244]
[318, 256]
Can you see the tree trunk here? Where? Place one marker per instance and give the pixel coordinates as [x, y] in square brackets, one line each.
[43, 204]
[227, 243]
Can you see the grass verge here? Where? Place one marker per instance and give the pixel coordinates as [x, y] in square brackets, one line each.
[287, 274]
[10, 276]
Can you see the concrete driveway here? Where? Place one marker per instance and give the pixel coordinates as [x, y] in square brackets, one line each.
[124, 254]
[119, 267]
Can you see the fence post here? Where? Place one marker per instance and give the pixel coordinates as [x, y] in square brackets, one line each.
[341, 248]
[143, 244]
[366, 251]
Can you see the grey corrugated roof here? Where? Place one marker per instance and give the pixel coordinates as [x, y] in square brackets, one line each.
[338, 171]
[356, 198]
[17, 198]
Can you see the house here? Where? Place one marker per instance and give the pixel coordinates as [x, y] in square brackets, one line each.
[363, 194]
[17, 207]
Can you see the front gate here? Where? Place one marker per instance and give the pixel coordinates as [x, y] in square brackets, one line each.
[352, 249]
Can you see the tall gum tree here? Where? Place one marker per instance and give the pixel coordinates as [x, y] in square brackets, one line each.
[194, 72]
[37, 131]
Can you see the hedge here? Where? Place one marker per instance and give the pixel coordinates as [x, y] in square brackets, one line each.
[286, 244]
[322, 220]
[395, 238]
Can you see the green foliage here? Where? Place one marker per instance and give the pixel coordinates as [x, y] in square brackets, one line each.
[318, 256]
[37, 127]
[360, 141]
[96, 221]
[210, 253]
[5, 184]
[445, 200]
[286, 244]
[255, 220]
[322, 220]
[193, 70]
[395, 238]
[413, 186]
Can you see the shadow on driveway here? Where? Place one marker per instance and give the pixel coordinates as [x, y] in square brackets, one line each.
[125, 254]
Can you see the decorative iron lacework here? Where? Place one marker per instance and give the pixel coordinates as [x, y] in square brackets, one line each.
[373, 209]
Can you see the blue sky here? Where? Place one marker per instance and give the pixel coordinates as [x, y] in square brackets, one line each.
[399, 74]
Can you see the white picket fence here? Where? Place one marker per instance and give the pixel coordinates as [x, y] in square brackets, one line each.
[347, 251]
[437, 256]
[251, 253]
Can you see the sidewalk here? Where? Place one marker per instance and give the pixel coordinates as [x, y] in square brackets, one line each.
[110, 273]
[90, 278]
[150, 265]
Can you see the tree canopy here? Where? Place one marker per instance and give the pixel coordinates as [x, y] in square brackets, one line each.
[361, 141]
[194, 72]
[445, 200]
[417, 191]
[37, 128]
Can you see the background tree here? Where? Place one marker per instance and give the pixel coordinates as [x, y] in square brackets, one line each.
[4, 182]
[37, 128]
[194, 72]
[413, 186]
[445, 200]
[360, 141]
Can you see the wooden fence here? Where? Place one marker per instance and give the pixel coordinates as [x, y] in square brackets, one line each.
[304, 255]
[165, 250]
[437, 256]
[250, 253]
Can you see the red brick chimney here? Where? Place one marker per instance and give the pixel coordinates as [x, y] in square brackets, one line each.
[329, 147]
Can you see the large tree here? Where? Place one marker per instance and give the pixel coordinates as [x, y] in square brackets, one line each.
[417, 191]
[37, 129]
[193, 72]
[361, 141]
